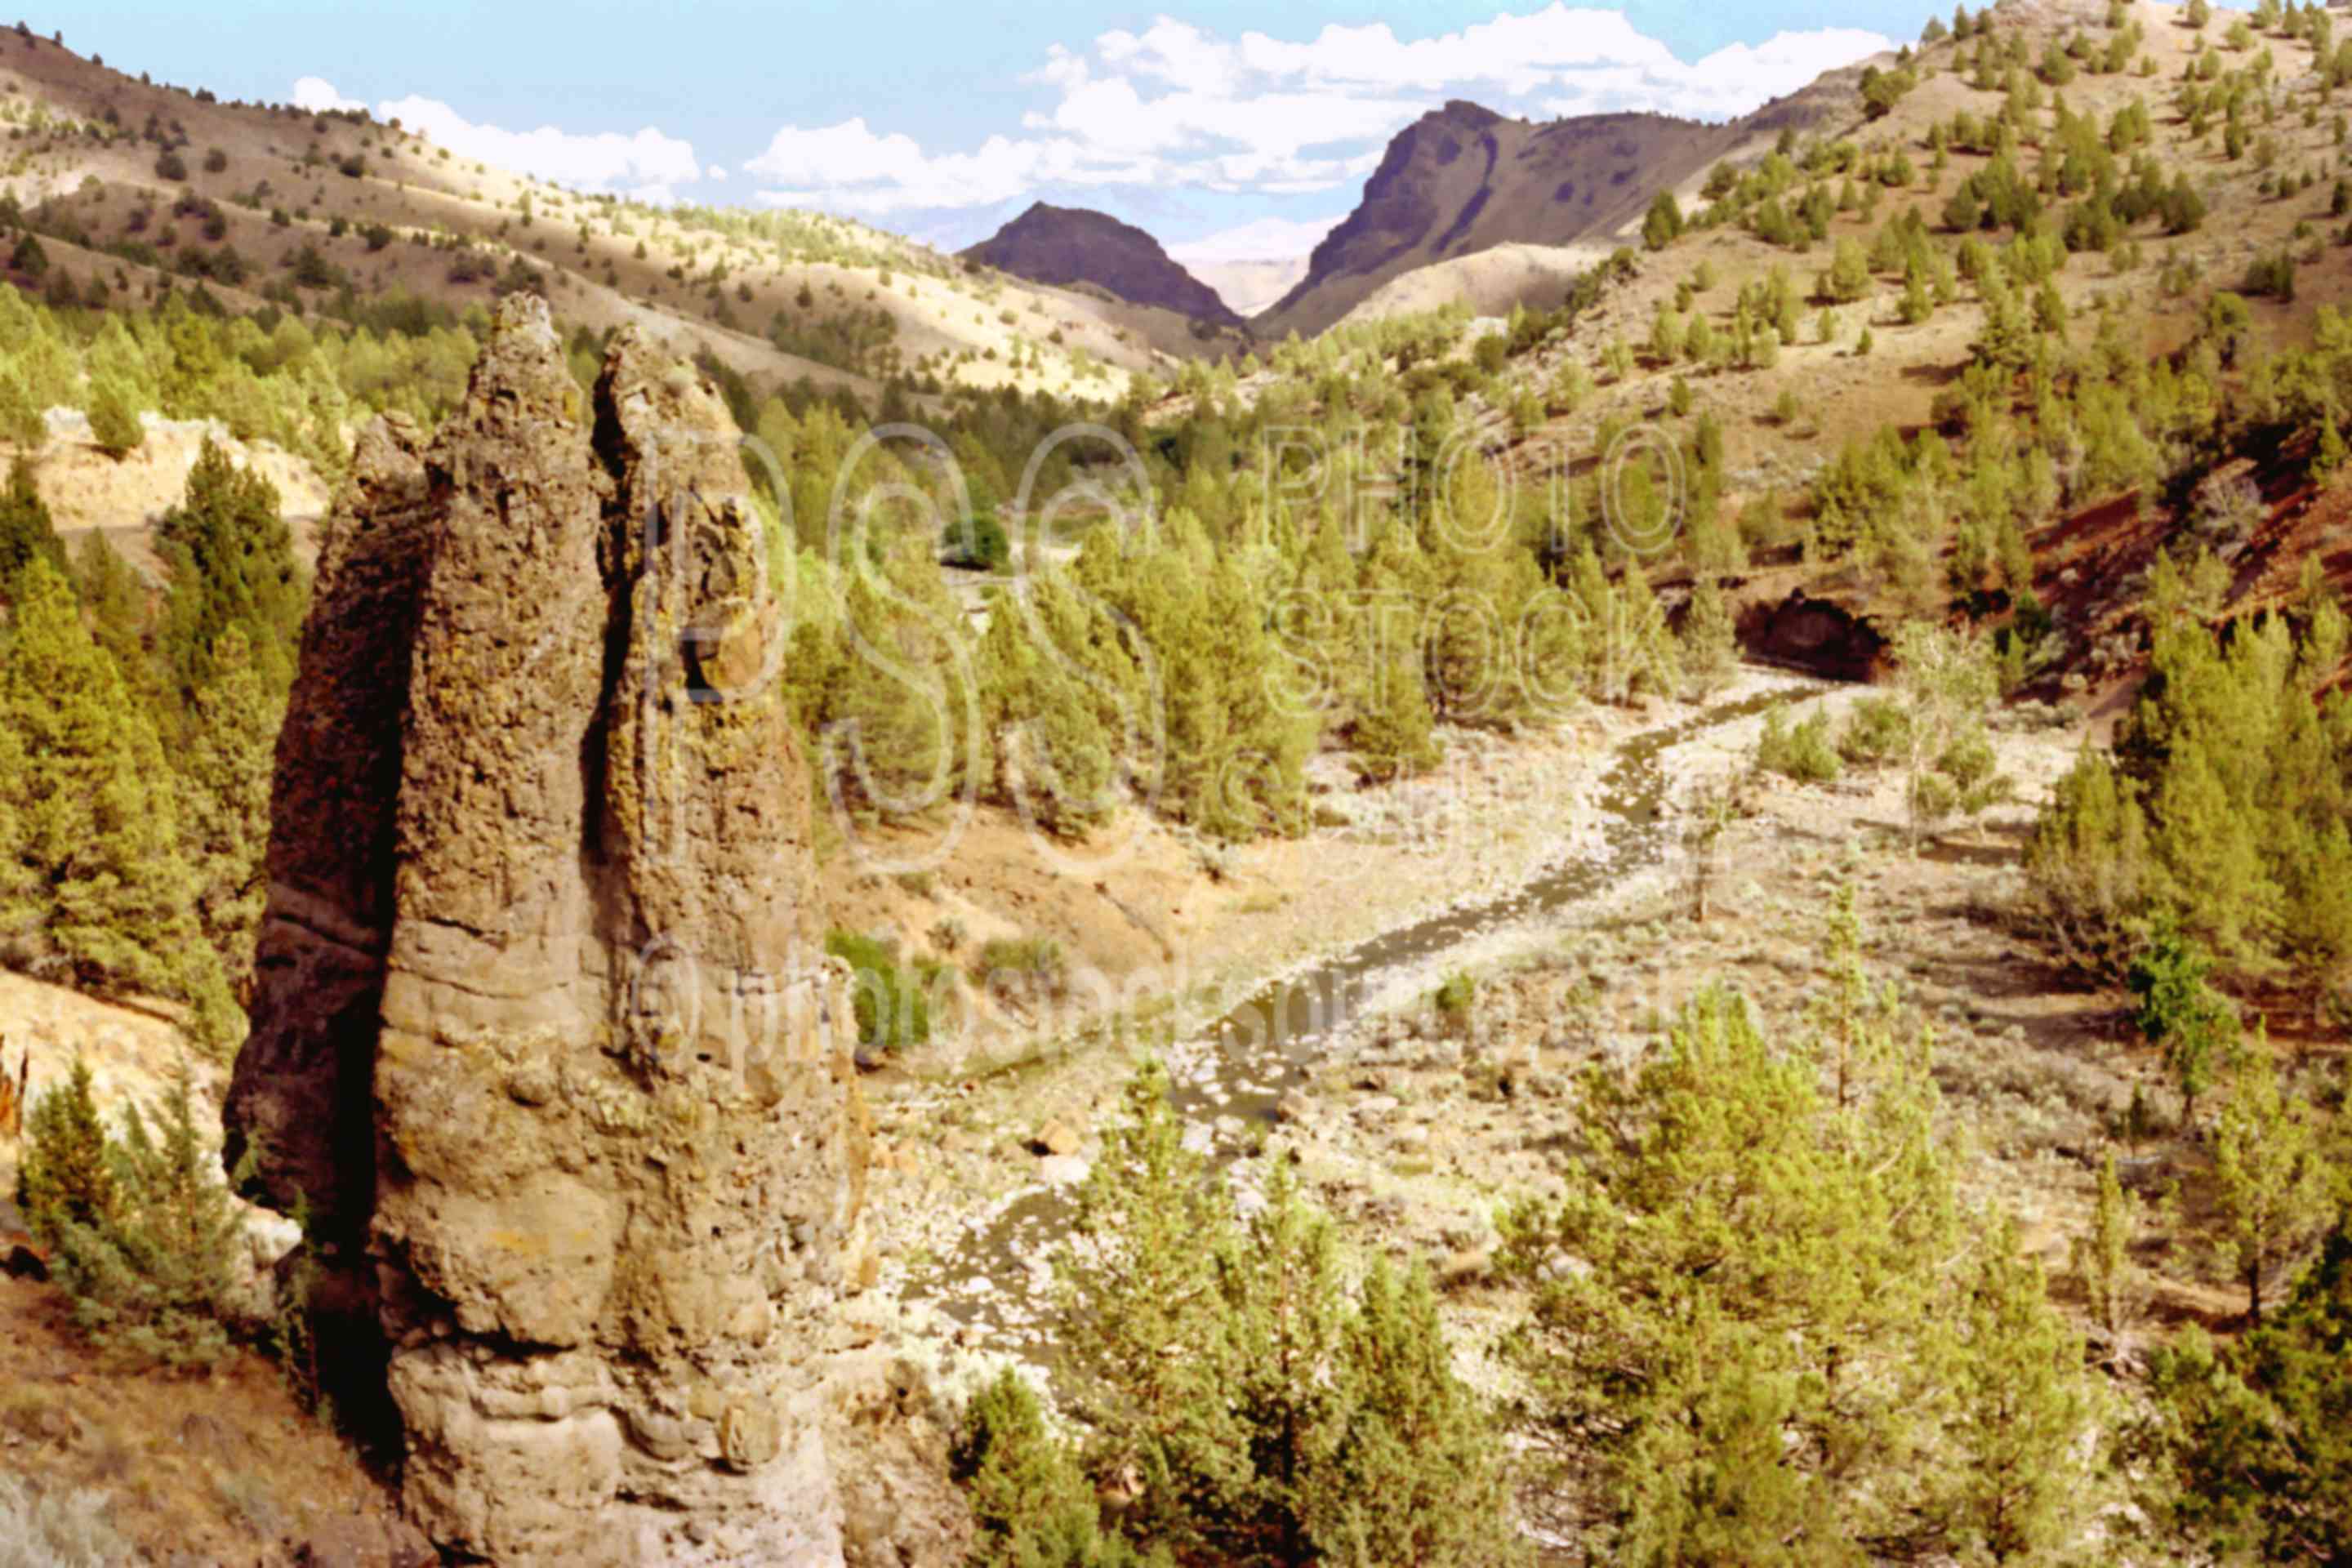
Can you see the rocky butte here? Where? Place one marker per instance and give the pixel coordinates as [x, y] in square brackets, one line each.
[541, 1045]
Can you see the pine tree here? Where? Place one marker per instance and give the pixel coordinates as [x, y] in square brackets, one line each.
[1393, 735]
[2271, 1179]
[21, 422]
[2021, 1467]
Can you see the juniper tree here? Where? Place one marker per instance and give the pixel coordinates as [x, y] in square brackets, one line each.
[2271, 1179]
[2182, 1014]
[1710, 642]
[25, 530]
[149, 1273]
[1033, 1505]
[1757, 1310]
[1262, 1409]
[114, 422]
[1947, 679]
[224, 767]
[1052, 759]
[1148, 1354]
[2115, 1285]
[232, 564]
[2252, 1443]
[1412, 1467]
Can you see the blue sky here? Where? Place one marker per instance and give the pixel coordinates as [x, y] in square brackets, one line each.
[1201, 120]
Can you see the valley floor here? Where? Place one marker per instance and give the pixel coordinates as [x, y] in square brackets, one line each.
[1412, 1127]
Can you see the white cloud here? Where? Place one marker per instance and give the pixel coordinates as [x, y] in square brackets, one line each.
[716, 171]
[647, 161]
[1266, 240]
[849, 164]
[1177, 106]
[318, 95]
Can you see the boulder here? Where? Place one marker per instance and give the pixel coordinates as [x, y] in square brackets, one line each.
[1057, 1137]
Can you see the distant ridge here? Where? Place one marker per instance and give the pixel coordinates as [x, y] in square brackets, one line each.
[1464, 179]
[1075, 246]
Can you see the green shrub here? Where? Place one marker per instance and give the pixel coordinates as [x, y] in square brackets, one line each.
[1455, 995]
[893, 1003]
[1879, 730]
[979, 546]
[1034, 958]
[140, 1228]
[1803, 754]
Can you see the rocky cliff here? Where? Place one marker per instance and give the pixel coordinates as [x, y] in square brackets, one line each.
[1463, 179]
[1067, 246]
[540, 1033]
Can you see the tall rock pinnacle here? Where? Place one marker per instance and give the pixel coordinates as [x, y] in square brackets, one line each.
[541, 1035]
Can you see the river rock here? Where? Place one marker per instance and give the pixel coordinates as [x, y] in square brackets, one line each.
[541, 1032]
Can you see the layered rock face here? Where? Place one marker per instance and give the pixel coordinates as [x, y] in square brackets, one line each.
[541, 1035]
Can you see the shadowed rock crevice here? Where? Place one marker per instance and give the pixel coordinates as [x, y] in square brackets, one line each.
[542, 1035]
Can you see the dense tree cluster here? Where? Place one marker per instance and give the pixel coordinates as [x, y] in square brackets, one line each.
[136, 747]
[1258, 1397]
[2221, 809]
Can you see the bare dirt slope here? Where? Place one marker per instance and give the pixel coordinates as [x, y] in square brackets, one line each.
[1493, 282]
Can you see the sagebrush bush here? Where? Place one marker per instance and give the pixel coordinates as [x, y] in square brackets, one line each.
[54, 1528]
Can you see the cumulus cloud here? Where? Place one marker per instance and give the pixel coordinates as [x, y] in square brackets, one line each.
[1177, 106]
[318, 95]
[648, 162]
